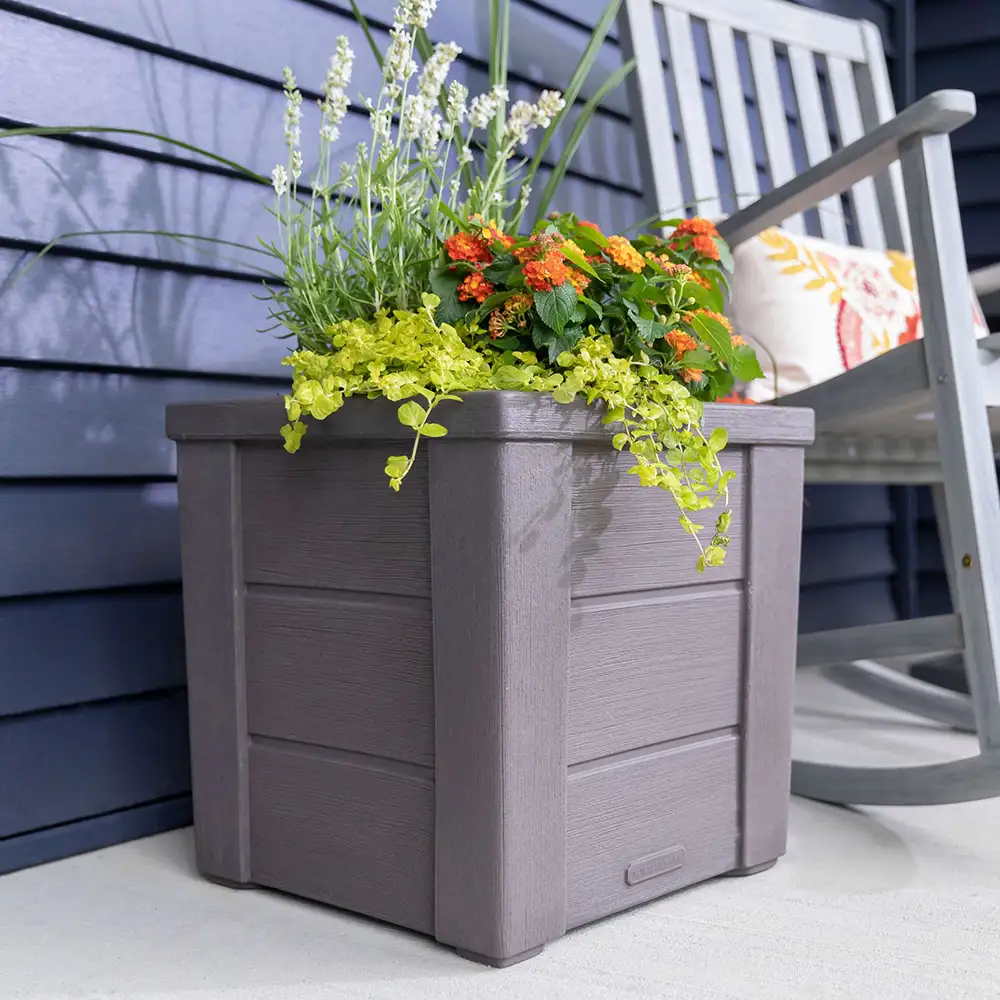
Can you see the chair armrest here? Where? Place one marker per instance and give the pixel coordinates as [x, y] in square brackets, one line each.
[936, 114]
[986, 280]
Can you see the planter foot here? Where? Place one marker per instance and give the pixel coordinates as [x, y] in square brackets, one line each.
[499, 963]
[228, 883]
[752, 870]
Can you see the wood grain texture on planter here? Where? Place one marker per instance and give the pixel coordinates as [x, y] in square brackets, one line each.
[501, 702]
[345, 830]
[500, 527]
[361, 678]
[671, 813]
[654, 667]
[326, 518]
[626, 536]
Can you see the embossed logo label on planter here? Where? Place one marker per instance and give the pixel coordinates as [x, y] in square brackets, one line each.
[656, 864]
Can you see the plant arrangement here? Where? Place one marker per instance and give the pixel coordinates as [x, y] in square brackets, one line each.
[426, 267]
[413, 274]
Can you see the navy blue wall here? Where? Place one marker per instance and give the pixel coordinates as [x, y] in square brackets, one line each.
[96, 339]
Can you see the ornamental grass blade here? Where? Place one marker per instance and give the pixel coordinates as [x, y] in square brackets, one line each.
[499, 52]
[575, 86]
[56, 130]
[576, 137]
[363, 25]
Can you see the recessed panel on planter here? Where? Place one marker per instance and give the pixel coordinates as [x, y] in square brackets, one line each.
[356, 835]
[643, 825]
[626, 536]
[326, 518]
[352, 672]
[652, 668]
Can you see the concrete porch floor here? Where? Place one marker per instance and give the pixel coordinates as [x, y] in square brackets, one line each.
[896, 904]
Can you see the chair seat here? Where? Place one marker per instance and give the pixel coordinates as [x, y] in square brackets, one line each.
[875, 423]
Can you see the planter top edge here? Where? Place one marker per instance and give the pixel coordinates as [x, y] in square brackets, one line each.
[493, 415]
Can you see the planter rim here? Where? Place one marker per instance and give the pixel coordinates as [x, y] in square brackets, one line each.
[486, 415]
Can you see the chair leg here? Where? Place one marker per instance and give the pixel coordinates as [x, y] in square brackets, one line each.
[970, 494]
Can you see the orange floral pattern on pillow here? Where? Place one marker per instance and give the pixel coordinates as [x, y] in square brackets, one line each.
[878, 307]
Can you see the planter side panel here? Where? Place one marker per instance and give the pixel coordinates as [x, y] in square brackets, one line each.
[326, 518]
[626, 537]
[349, 832]
[651, 668]
[642, 826]
[352, 672]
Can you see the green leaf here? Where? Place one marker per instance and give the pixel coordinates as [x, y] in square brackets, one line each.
[665, 224]
[433, 430]
[650, 329]
[396, 466]
[714, 334]
[725, 256]
[411, 414]
[744, 364]
[707, 298]
[579, 261]
[506, 343]
[510, 377]
[699, 358]
[590, 239]
[494, 300]
[718, 439]
[619, 441]
[499, 271]
[594, 307]
[556, 343]
[555, 308]
[720, 383]
[444, 284]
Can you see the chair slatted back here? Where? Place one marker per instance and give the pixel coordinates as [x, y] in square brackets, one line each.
[758, 67]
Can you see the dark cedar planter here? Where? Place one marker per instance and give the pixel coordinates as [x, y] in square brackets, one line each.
[500, 703]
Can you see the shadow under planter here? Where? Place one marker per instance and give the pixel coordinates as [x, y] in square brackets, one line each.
[500, 703]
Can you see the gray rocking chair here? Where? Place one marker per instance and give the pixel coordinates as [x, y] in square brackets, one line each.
[873, 422]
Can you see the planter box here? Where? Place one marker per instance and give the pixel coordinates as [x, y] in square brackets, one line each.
[500, 703]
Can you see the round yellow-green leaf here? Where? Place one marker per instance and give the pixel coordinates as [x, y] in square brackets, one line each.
[411, 414]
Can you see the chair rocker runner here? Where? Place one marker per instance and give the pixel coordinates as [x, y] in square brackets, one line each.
[873, 421]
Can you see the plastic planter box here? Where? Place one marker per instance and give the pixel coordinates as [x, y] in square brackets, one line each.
[500, 703]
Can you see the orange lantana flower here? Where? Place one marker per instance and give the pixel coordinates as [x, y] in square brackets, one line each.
[474, 286]
[737, 340]
[578, 279]
[705, 245]
[718, 317]
[545, 274]
[696, 227]
[624, 254]
[469, 248]
[681, 342]
[691, 374]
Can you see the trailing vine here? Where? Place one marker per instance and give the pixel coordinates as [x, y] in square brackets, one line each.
[408, 356]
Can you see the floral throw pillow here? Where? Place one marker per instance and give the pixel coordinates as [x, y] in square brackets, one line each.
[814, 309]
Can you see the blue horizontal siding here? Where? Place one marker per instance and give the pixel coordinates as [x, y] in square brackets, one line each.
[101, 335]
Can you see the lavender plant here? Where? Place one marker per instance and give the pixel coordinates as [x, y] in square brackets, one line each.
[367, 237]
